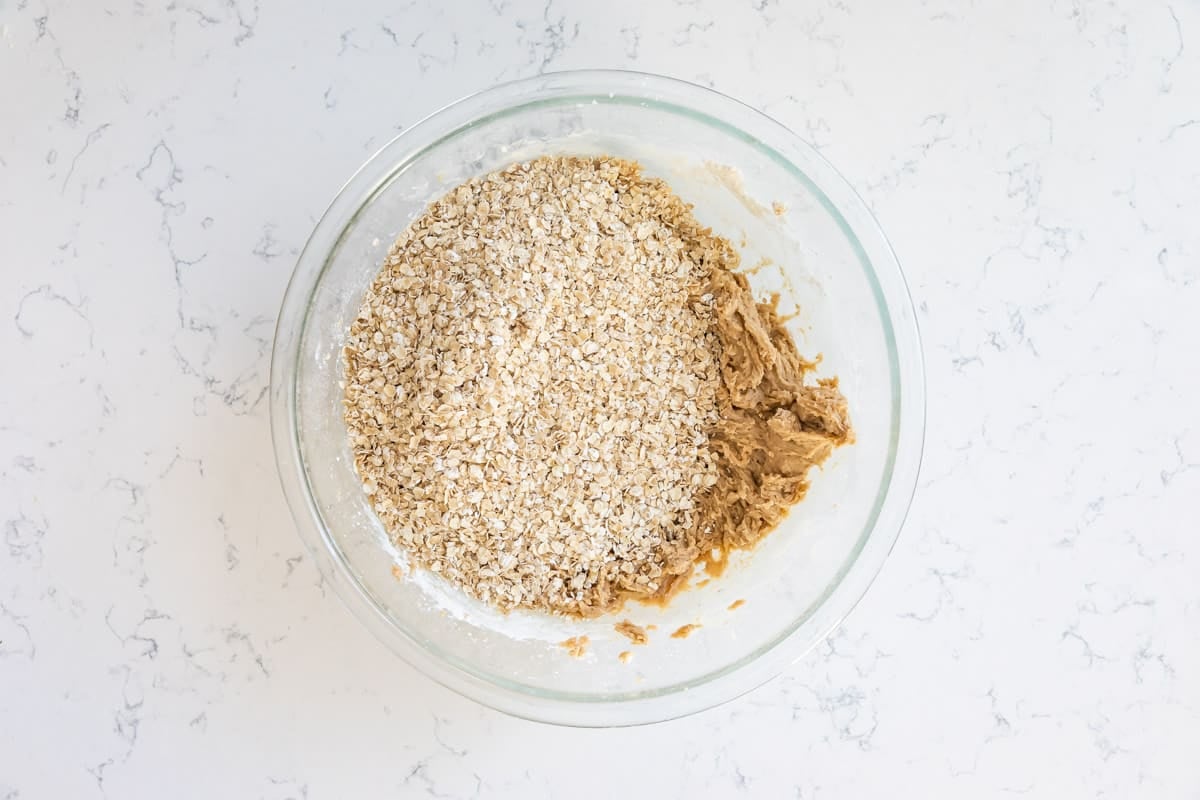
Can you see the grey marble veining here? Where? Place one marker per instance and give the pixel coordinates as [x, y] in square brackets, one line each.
[1037, 629]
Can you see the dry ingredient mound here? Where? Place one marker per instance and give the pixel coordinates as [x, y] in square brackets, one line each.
[560, 394]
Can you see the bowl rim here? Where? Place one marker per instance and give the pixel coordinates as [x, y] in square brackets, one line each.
[897, 316]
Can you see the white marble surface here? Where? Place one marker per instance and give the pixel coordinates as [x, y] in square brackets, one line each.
[1037, 629]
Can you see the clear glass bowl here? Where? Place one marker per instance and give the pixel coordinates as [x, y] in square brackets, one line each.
[824, 253]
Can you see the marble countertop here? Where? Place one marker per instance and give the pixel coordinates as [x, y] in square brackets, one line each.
[1036, 630]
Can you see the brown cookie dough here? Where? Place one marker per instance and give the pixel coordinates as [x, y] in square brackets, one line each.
[634, 633]
[773, 428]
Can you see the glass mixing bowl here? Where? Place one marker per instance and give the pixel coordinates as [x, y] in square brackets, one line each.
[813, 241]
